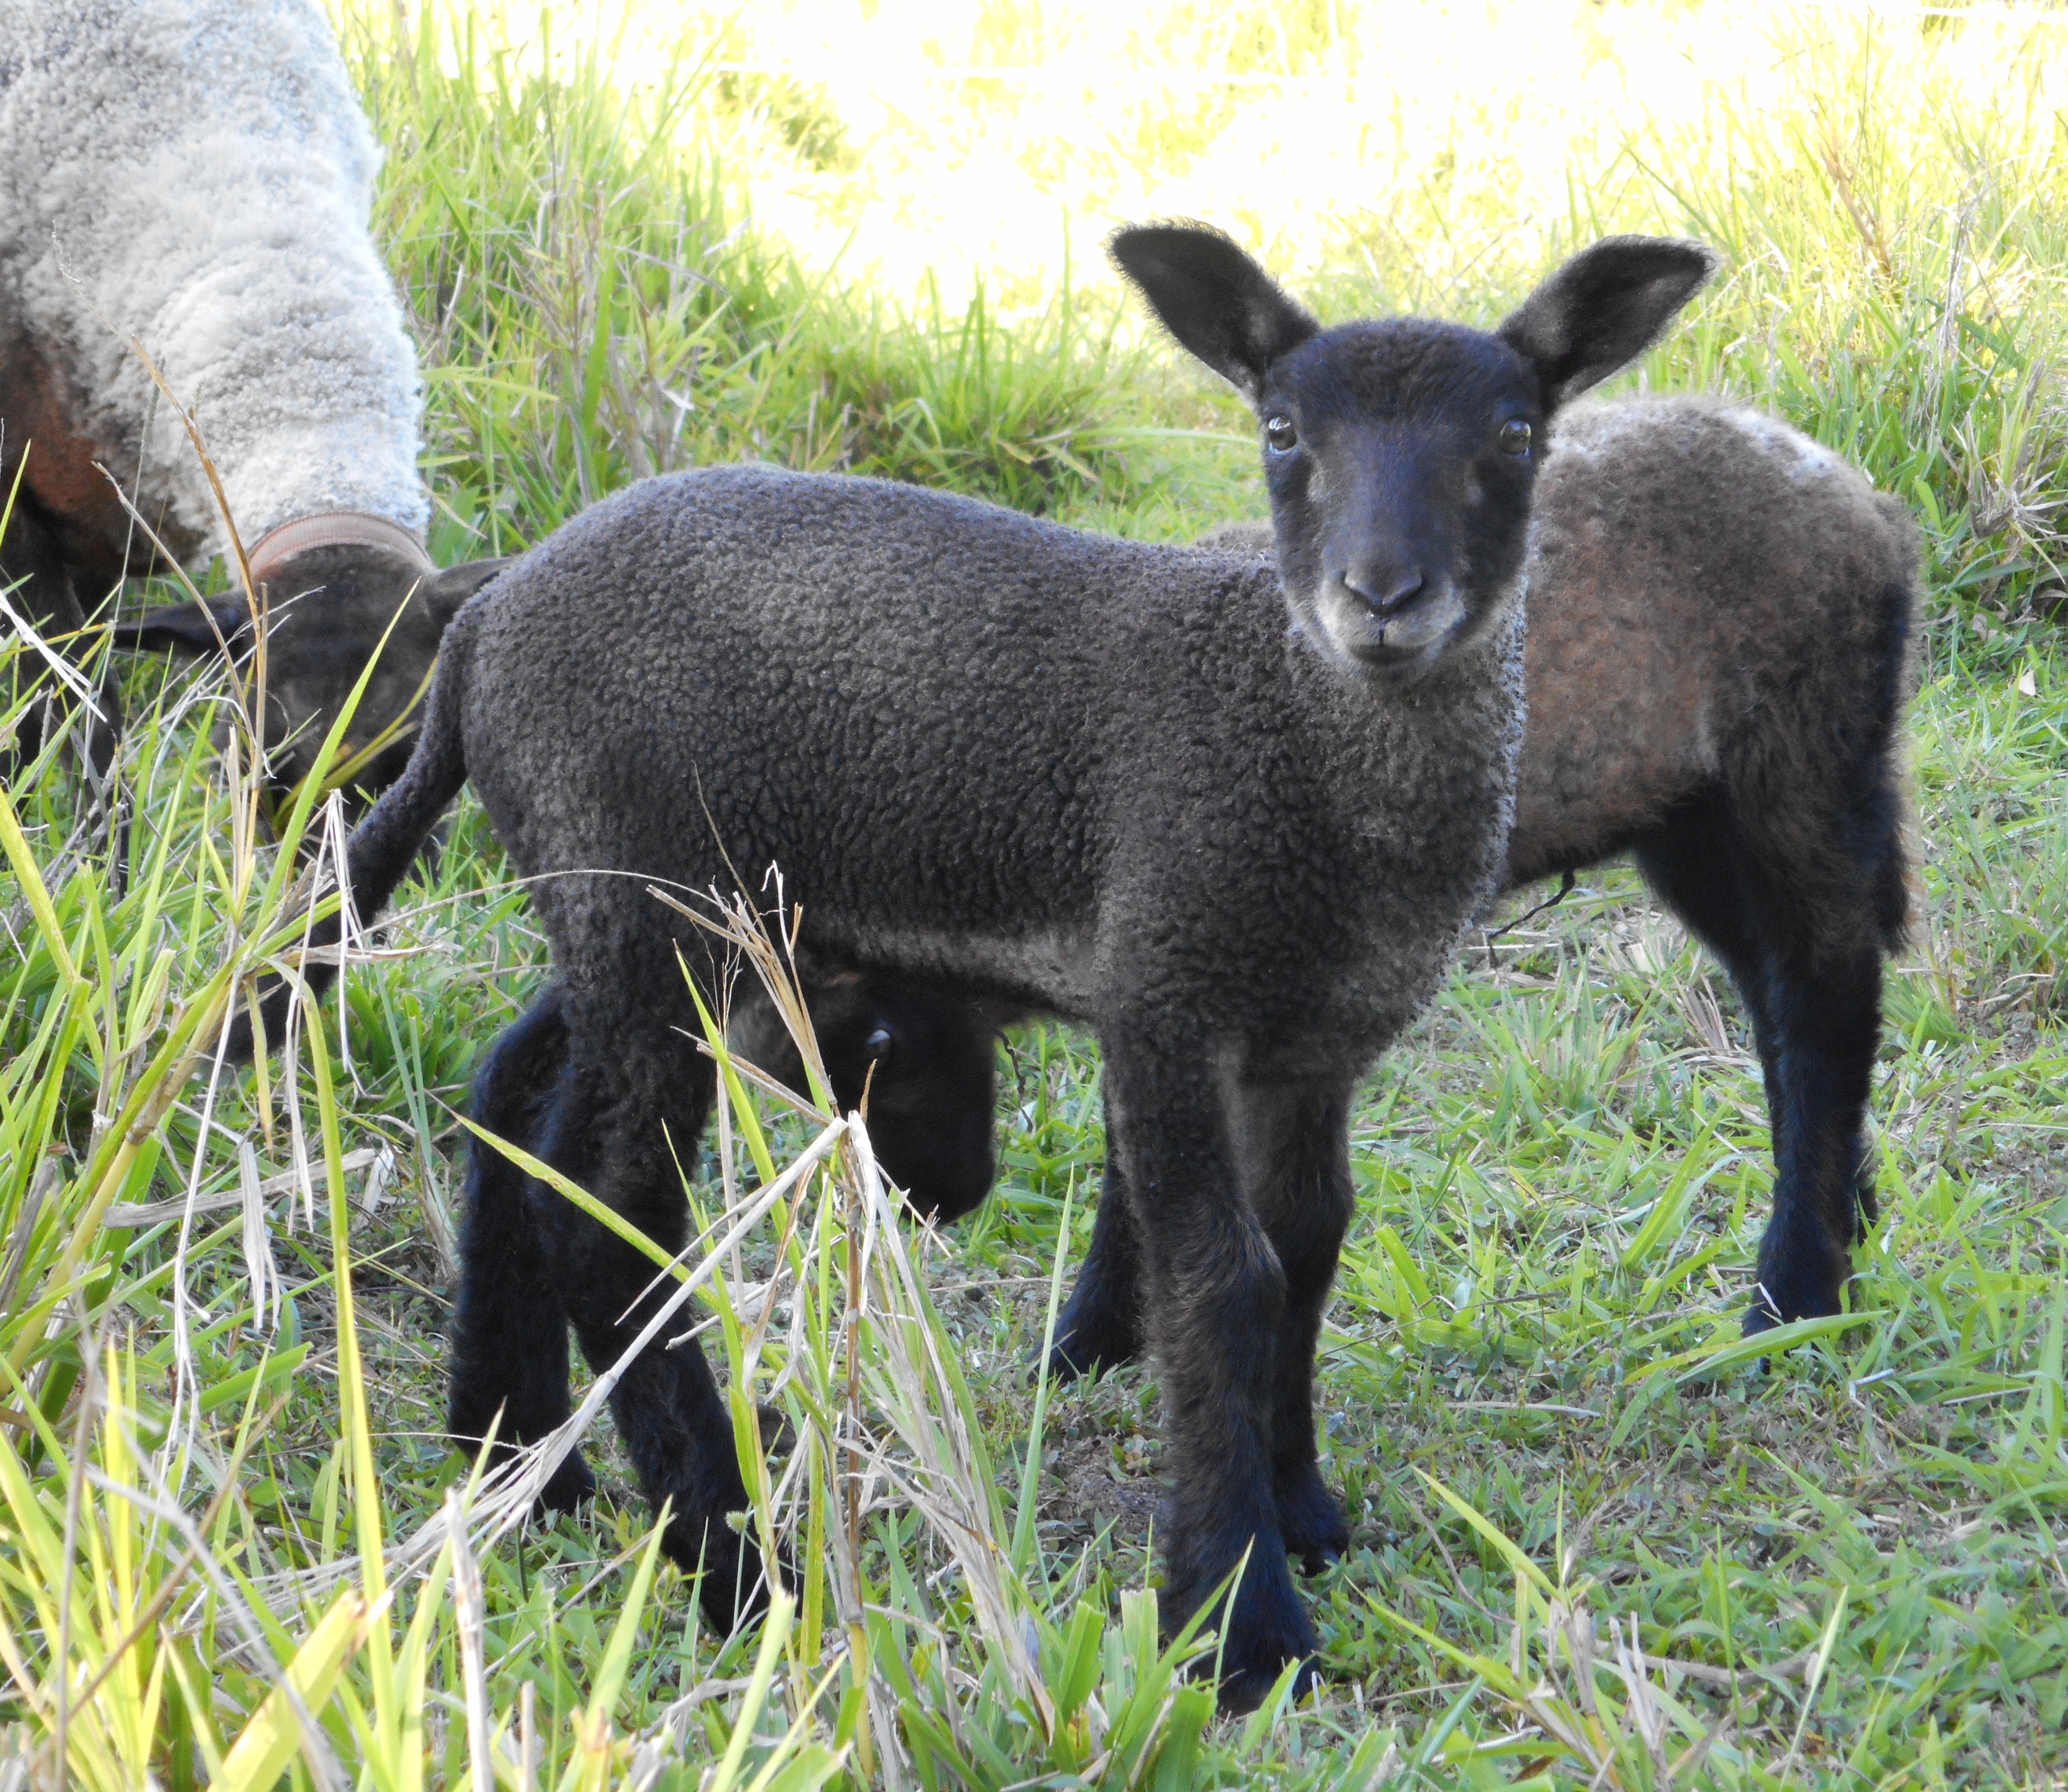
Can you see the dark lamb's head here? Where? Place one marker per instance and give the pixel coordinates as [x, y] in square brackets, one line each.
[328, 608]
[1401, 453]
[925, 1061]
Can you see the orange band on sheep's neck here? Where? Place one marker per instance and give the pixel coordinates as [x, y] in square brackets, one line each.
[332, 529]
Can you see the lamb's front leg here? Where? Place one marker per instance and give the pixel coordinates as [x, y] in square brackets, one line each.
[1297, 1161]
[1296, 1151]
[1217, 1308]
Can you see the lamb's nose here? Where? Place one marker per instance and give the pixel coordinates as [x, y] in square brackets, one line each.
[1386, 592]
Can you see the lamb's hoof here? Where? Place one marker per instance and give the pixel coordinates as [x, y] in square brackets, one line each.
[1780, 1303]
[1242, 1691]
[1098, 1329]
[1089, 1350]
[1256, 1653]
[1266, 1629]
[568, 1488]
[1310, 1521]
[1761, 1316]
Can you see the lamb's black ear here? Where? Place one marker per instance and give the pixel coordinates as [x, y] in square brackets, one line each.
[1604, 308]
[201, 625]
[447, 590]
[1212, 298]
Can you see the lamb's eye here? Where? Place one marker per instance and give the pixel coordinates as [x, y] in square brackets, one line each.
[1279, 432]
[1514, 438]
[877, 1045]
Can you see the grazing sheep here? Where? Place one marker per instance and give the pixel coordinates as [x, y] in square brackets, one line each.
[1720, 615]
[1031, 766]
[195, 175]
[927, 1065]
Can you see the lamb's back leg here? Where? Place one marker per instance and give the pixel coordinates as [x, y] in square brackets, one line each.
[510, 1324]
[1299, 1178]
[1802, 945]
[628, 1094]
[1100, 1325]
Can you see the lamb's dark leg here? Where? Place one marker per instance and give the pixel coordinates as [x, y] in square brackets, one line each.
[1217, 1309]
[1814, 990]
[1101, 1326]
[610, 1130]
[509, 1325]
[1827, 1015]
[1301, 1190]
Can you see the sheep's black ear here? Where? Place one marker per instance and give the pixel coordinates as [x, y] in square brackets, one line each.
[447, 590]
[1604, 308]
[1212, 298]
[203, 626]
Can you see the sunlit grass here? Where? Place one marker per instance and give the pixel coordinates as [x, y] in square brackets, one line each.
[1594, 1542]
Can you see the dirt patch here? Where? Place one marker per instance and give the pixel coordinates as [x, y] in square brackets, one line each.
[1086, 1487]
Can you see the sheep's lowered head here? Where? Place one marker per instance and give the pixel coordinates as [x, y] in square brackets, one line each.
[923, 1061]
[1400, 452]
[329, 602]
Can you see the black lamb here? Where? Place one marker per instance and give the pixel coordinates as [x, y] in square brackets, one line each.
[1234, 820]
[1719, 619]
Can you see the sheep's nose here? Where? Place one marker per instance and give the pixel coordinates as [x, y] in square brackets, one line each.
[1386, 592]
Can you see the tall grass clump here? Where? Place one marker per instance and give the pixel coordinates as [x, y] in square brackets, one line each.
[596, 304]
[1596, 1541]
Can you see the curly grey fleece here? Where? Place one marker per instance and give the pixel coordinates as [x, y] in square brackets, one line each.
[716, 607]
[200, 176]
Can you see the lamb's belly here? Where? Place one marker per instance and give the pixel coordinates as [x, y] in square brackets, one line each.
[1049, 968]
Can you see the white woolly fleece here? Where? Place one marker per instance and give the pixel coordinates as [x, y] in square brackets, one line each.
[200, 175]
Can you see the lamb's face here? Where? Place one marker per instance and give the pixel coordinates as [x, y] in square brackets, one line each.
[1401, 453]
[1400, 457]
[327, 614]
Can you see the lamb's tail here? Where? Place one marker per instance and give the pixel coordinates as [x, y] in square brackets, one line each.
[384, 845]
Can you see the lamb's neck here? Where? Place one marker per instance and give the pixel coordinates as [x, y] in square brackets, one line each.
[1414, 771]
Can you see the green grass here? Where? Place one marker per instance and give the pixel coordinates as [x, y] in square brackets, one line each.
[1595, 1542]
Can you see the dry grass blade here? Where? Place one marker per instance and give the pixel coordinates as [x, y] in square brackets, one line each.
[152, 1213]
[260, 1270]
[470, 1620]
[507, 1494]
[942, 1465]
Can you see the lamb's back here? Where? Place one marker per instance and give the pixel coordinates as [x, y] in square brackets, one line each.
[833, 669]
[1701, 574]
[1047, 766]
